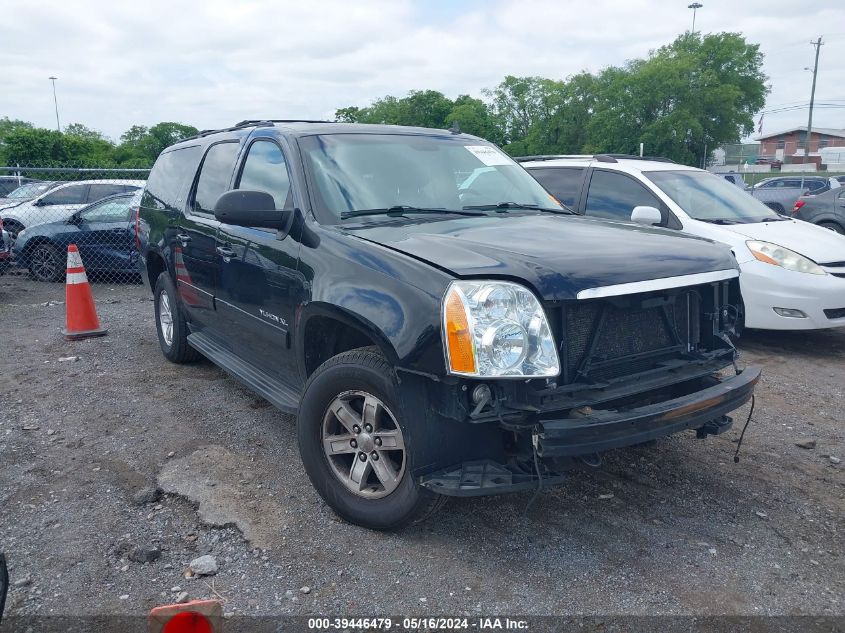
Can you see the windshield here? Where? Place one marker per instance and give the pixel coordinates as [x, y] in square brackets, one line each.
[351, 173]
[30, 190]
[706, 197]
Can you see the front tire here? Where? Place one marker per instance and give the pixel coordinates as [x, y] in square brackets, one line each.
[355, 445]
[45, 262]
[170, 323]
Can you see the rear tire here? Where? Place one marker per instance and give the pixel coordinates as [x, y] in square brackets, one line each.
[170, 323]
[777, 208]
[45, 262]
[336, 456]
[833, 226]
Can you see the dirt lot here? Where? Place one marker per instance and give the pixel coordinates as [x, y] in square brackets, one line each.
[673, 528]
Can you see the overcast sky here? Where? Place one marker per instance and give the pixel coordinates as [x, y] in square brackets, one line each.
[215, 62]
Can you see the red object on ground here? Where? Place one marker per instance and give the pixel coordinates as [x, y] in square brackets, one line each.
[198, 616]
[80, 313]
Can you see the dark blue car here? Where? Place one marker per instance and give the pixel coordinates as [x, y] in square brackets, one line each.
[104, 232]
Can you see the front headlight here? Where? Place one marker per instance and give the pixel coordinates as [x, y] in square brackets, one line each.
[497, 329]
[783, 257]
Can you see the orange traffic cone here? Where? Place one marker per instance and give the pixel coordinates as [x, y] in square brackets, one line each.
[80, 314]
[198, 616]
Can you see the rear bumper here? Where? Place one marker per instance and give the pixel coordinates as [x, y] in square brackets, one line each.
[605, 430]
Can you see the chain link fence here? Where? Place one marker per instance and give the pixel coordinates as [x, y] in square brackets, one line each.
[45, 209]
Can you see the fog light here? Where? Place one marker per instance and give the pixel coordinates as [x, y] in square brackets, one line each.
[790, 313]
[481, 393]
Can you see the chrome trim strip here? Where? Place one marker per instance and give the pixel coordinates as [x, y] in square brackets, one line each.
[657, 284]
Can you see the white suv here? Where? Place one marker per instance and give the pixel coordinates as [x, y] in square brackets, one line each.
[792, 272]
[59, 203]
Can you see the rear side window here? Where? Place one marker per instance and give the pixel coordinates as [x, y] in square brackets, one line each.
[614, 196]
[111, 211]
[264, 170]
[169, 176]
[563, 183]
[215, 175]
[98, 192]
[72, 194]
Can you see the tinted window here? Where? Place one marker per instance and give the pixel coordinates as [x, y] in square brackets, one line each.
[169, 175]
[72, 194]
[264, 170]
[110, 211]
[98, 192]
[814, 185]
[563, 182]
[614, 196]
[215, 174]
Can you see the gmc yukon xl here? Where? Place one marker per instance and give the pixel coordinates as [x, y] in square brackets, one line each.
[440, 325]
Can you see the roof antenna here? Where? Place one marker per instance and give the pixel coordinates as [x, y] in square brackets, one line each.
[455, 128]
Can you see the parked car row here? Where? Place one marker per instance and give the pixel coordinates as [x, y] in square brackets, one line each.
[40, 219]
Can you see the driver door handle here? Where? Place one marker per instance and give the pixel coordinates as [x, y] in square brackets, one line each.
[225, 252]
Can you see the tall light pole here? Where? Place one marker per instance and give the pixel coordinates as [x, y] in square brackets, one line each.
[695, 6]
[56, 103]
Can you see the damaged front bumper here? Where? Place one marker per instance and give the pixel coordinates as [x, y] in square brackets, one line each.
[604, 430]
[588, 432]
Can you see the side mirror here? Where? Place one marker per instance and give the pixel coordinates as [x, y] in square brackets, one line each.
[646, 215]
[39, 203]
[251, 208]
[75, 219]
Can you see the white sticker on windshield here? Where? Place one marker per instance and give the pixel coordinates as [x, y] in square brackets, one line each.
[489, 155]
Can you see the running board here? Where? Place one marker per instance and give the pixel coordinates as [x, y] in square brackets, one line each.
[276, 392]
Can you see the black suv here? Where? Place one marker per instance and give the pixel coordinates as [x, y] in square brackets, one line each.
[437, 321]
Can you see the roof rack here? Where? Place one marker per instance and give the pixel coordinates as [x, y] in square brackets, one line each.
[253, 123]
[602, 158]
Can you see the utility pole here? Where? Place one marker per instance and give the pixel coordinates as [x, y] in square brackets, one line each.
[56, 103]
[818, 45]
[695, 6]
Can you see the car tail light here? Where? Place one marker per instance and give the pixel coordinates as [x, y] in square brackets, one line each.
[797, 207]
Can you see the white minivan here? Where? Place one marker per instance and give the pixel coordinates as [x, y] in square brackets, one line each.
[792, 272]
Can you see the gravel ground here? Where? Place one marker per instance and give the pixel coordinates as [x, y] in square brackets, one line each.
[672, 528]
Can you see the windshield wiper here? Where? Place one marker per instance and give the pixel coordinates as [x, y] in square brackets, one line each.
[402, 209]
[720, 221]
[504, 206]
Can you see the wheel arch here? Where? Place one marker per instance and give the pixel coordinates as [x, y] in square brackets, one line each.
[325, 330]
[155, 264]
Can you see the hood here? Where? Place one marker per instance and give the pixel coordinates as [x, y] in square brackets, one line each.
[557, 255]
[819, 244]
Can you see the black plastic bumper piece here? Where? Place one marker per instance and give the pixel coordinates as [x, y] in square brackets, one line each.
[474, 479]
[703, 410]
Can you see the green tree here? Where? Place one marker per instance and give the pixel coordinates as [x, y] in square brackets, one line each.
[696, 92]
[518, 103]
[82, 131]
[7, 127]
[473, 116]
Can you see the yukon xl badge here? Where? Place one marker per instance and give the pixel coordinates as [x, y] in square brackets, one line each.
[273, 317]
